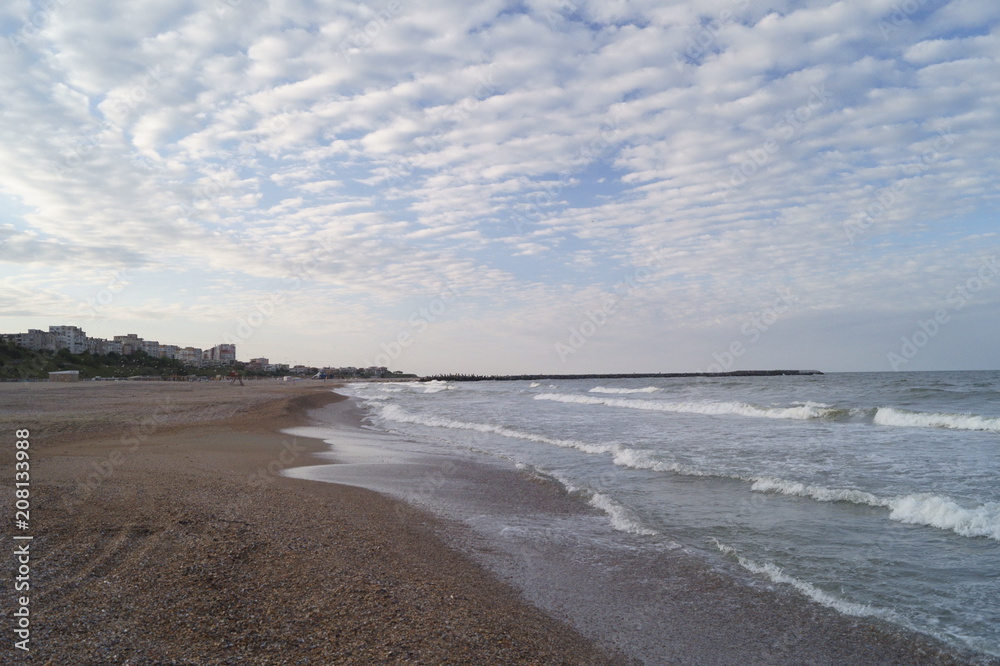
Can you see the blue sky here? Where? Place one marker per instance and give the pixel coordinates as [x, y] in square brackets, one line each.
[550, 186]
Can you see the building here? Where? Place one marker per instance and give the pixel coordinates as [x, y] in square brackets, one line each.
[190, 356]
[130, 343]
[151, 347]
[65, 376]
[98, 346]
[72, 338]
[35, 340]
[223, 354]
[170, 351]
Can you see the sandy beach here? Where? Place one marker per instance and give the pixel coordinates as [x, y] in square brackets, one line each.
[164, 533]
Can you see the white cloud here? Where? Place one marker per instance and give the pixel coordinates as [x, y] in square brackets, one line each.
[835, 149]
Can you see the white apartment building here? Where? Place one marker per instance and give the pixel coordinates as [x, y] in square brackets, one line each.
[72, 338]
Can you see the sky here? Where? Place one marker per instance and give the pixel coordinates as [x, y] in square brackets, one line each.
[550, 186]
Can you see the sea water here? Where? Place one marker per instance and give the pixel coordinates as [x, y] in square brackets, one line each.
[877, 494]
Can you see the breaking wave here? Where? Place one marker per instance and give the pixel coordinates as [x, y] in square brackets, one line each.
[890, 416]
[775, 574]
[621, 519]
[926, 509]
[623, 391]
[804, 411]
[396, 413]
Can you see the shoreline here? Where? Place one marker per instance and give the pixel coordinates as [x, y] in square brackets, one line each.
[191, 548]
[667, 605]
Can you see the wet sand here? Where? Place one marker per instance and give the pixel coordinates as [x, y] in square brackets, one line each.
[164, 533]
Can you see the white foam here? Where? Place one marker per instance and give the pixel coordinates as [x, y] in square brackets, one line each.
[436, 386]
[776, 575]
[925, 509]
[623, 391]
[890, 416]
[639, 459]
[946, 514]
[769, 484]
[396, 413]
[798, 412]
[620, 518]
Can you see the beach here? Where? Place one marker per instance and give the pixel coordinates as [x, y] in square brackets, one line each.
[165, 531]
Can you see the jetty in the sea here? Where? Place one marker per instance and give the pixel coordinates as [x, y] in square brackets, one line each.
[633, 375]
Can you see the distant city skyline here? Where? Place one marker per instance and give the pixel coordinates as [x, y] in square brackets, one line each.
[77, 341]
[555, 186]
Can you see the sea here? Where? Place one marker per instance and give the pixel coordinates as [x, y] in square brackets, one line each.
[874, 494]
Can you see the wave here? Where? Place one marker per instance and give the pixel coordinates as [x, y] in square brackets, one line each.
[947, 514]
[891, 416]
[396, 413]
[776, 575]
[623, 391]
[621, 519]
[804, 411]
[637, 459]
[927, 509]
[938, 511]
[769, 484]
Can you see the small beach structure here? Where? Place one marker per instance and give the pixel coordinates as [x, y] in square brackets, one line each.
[65, 376]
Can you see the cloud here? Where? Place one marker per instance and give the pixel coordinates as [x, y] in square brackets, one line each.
[533, 155]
